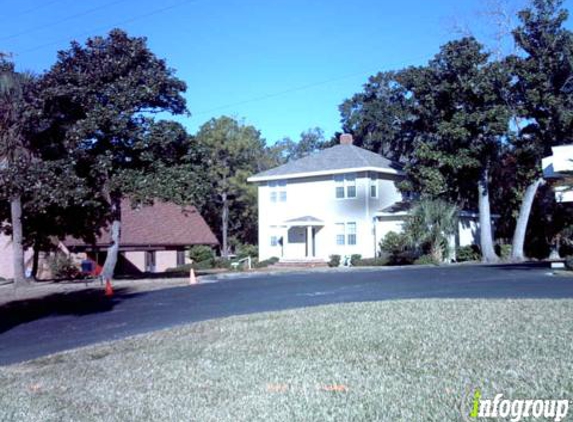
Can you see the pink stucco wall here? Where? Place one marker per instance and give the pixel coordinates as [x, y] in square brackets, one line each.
[6, 268]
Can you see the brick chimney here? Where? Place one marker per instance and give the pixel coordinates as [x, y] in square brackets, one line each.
[346, 139]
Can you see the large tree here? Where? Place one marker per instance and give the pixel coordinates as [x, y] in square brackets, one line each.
[15, 153]
[379, 117]
[106, 93]
[311, 141]
[234, 152]
[460, 121]
[543, 93]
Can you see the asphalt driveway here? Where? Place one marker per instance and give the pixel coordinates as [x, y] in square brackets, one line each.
[35, 328]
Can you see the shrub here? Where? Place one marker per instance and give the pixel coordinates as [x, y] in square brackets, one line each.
[334, 261]
[395, 246]
[468, 253]
[179, 269]
[569, 263]
[220, 262]
[393, 243]
[503, 250]
[426, 260]
[354, 258]
[63, 267]
[200, 253]
[246, 250]
[371, 262]
[266, 263]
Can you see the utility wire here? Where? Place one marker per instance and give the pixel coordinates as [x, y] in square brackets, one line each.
[305, 87]
[113, 25]
[66, 19]
[27, 11]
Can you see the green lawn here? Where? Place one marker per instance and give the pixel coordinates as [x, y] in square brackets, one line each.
[385, 361]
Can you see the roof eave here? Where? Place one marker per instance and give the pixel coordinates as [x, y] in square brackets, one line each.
[254, 179]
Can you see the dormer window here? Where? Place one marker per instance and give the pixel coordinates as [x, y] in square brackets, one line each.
[345, 185]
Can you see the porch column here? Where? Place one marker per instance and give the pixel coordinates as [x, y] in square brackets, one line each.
[309, 242]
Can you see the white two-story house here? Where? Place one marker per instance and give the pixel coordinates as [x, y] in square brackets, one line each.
[342, 200]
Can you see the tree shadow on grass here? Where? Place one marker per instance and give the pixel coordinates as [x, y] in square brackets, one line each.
[79, 303]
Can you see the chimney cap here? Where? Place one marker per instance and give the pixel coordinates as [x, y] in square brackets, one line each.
[346, 139]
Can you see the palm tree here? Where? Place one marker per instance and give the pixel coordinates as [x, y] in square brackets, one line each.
[430, 224]
[13, 152]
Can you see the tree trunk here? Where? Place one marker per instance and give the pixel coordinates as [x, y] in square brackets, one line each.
[225, 226]
[522, 221]
[486, 239]
[17, 241]
[35, 261]
[437, 252]
[113, 249]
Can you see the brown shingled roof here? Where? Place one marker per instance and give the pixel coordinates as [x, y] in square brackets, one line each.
[161, 224]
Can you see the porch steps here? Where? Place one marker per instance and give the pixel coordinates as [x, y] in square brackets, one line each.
[296, 263]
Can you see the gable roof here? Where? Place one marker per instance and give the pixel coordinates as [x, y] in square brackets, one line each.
[337, 159]
[161, 224]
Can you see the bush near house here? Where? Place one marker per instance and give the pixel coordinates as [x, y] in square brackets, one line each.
[503, 250]
[334, 261]
[468, 253]
[201, 253]
[354, 259]
[426, 260]
[395, 246]
[63, 267]
[245, 250]
[266, 262]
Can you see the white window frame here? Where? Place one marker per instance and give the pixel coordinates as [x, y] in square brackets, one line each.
[343, 233]
[373, 184]
[350, 233]
[345, 182]
[277, 191]
[340, 234]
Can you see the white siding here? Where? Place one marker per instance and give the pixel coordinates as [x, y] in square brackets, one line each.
[315, 197]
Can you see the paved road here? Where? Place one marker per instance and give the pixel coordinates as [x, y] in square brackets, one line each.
[29, 330]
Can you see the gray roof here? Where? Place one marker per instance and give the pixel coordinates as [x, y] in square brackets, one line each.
[331, 159]
[305, 219]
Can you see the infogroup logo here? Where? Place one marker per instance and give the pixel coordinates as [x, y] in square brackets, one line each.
[516, 410]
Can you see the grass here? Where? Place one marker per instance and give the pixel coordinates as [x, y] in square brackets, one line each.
[385, 361]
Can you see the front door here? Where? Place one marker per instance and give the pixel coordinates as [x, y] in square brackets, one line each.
[296, 244]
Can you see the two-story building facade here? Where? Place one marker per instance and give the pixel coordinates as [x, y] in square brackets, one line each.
[327, 203]
[342, 200]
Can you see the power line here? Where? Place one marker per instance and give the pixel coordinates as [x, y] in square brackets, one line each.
[66, 19]
[304, 87]
[105, 27]
[27, 11]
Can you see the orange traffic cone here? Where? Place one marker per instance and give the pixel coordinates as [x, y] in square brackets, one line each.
[192, 278]
[108, 288]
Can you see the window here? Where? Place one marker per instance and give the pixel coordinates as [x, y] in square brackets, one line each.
[274, 241]
[350, 186]
[345, 186]
[351, 233]
[278, 192]
[180, 258]
[346, 234]
[373, 191]
[340, 234]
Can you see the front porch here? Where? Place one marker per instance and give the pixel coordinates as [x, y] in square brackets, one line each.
[299, 241]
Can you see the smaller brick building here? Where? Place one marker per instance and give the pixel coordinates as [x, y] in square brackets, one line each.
[153, 238]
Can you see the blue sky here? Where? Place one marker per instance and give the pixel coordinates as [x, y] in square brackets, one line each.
[281, 65]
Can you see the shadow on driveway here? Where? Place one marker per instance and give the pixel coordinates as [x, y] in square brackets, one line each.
[78, 303]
